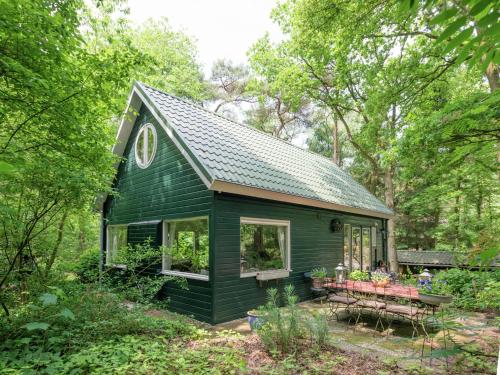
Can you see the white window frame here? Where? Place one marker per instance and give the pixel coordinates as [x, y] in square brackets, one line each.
[187, 275]
[143, 132]
[109, 259]
[259, 221]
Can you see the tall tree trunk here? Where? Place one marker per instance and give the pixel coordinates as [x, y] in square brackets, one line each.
[335, 143]
[457, 213]
[55, 249]
[389, 201]
[492, 75]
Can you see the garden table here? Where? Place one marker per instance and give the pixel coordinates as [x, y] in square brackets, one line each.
[391, 290]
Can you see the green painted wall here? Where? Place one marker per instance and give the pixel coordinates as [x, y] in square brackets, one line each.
[168, 188]
[312, 244]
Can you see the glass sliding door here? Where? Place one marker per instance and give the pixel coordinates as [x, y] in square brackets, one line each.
[356, 248]
[375, 253]
[359, 247]
[366, 250]
[347, 246]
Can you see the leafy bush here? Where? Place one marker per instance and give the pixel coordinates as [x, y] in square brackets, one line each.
[473, 289]
[489, 297]
[438, 286]
[319, 272]
[358, 275]
[282, 330]
[47, 335]
[87, 267]
[318, 329]
[140, 281]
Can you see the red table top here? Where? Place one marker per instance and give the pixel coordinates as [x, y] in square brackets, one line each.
[392, 290]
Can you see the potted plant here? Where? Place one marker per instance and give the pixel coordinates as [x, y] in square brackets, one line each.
[255, 319]
[358, 275]
[436, 292]
[380, 279]
[318, 276]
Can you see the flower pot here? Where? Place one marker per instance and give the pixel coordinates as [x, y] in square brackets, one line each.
[255, 320]
[380, 283]
[317, 282]
[434, 299]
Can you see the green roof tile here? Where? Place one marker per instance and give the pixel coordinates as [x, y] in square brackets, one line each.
[236, 153]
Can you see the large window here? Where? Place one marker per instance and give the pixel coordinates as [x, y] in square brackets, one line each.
[145, 146]
[264, 245]
[186, 245]
[116, 239]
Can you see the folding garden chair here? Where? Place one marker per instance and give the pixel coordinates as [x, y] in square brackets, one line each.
[368, 300]
[409, 311]
[341, 297]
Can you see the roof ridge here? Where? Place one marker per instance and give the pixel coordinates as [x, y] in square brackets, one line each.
[186, 101]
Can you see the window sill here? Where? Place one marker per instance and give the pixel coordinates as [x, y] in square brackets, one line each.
[187, 275]
[119, 266]
[267, 275]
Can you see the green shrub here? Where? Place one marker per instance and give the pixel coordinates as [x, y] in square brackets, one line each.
[358, 275]
[45, 336]
[87, 267]
[140, 281]
[318, 329]
[472, 289]
[319, 272]
[283, 328]
[489, 297]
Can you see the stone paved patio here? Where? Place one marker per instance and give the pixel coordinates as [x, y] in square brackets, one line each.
[396, 345]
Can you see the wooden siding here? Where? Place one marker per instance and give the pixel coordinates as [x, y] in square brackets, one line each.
[313, 244]
[169, 188]
[140, 233]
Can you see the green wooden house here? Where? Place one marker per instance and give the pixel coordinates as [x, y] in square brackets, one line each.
[236, 209]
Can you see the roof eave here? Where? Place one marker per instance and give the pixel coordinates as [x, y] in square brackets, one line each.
[232, 188]
[137, 98]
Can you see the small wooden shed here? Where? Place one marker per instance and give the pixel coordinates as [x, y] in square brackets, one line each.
[238, 209]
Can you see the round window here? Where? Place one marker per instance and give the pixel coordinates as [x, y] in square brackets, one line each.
[145, 146]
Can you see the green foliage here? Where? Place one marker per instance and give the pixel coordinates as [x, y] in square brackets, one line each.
[438, 286]
[358, 275]
[139, 355]
[67, 69]
[317, 326]
[477, 354]
[319, 272]
[139, 281]
[489, 297]
[87, 266]
[408, 279]
[468, 29]
[472, 289]
[449, 155]
[282, 330]
[83, 327]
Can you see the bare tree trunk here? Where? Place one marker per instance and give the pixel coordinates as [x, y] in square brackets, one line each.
[389, 201]
[335, 143]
